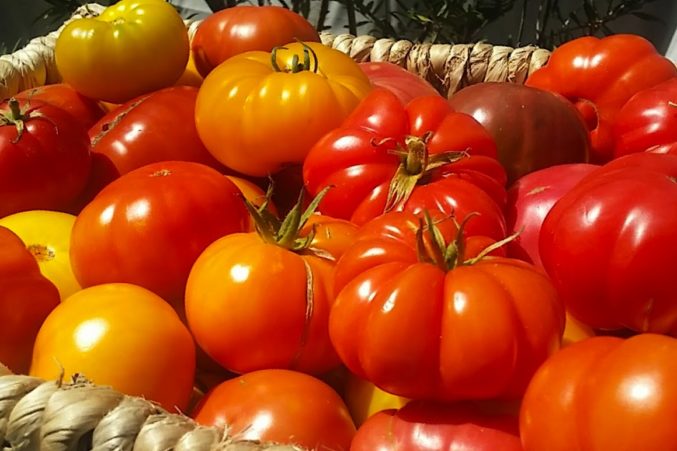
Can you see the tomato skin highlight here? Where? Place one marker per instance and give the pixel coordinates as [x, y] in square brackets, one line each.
[114, 57]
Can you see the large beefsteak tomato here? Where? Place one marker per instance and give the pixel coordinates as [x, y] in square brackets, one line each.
[44, 157]
[149, 226]
[604, 393]
[609, 245]
[386, 156]
[600, 76]
[132, 48]
[232, 31]
[259, 111]
[26, 298]
[419, 320]
[404, 84]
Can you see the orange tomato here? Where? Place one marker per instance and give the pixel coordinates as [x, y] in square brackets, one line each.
[575, 331]
[365, 399]
[120, 335]
[331, 235]
[190, 76]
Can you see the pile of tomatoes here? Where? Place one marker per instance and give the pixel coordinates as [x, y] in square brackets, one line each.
[255, 230]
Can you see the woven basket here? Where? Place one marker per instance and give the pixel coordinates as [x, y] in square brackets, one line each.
[50, 415]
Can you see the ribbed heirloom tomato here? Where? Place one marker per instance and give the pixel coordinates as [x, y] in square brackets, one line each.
[149, 226]
[419, 320]
[133, 47]
[259, 111]
[120, 335]
[388, 156]
[261, 300]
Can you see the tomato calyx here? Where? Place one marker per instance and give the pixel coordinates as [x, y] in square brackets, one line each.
[286, 233]
[296, 65]
[416, 164]
[15, 117]
[445, 256]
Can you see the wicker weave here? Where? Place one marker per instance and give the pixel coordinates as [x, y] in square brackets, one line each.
[448, 67]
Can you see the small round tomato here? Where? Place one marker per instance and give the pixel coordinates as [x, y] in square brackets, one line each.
[149, 226]
[61, 95]
[232, 31]
[47, 235]
[120, 335]
[26, 298]
[279, 406]
[133, 47]
[44, 157]
[259, 111]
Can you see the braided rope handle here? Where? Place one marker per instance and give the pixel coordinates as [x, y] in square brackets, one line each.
[447, 67]
[52, 416]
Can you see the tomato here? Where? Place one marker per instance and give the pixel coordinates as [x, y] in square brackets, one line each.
[286, 281]
[575, 331]
[648, 121]
[232, 31]
[190, 76]
[428, 426]
[485, 326]
[279, 406]
[253, 193]
[365, 399]
[600, 76]
[149, 226]
[533, 129]
[44, 157]
[258, 111]
[152, 128]
[386, 156]
[530, 199]
[133, 47]
[609, 245]
[26, 298]
[331, 235]
[87, 111]
[120, 335]
[604, 393]
[404, 84]
[47, 236]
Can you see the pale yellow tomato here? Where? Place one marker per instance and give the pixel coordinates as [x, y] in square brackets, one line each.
[47, 235]
[365, 399]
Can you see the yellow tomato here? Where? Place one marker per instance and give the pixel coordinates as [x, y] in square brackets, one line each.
[190, 76]
[365, 399]
[258, 111]
[575, 331]
[120, 335]
[132, 48]
[47, 235]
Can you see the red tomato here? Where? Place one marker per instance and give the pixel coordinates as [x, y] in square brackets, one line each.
[427, 426]
[531, 198]
[600, 76]
[156, 127]
[149, 226]
[404, 84]
[279, 406]
[648, 121]
[609, 245]
[45, 165]
[533, 129]
[386, 156]
[232, 31]
[483, 329]
[604, 393]
[26, 298]
[87, 111]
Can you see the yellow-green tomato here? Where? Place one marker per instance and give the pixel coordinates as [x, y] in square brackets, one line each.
[132, 48]
[47, 235]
